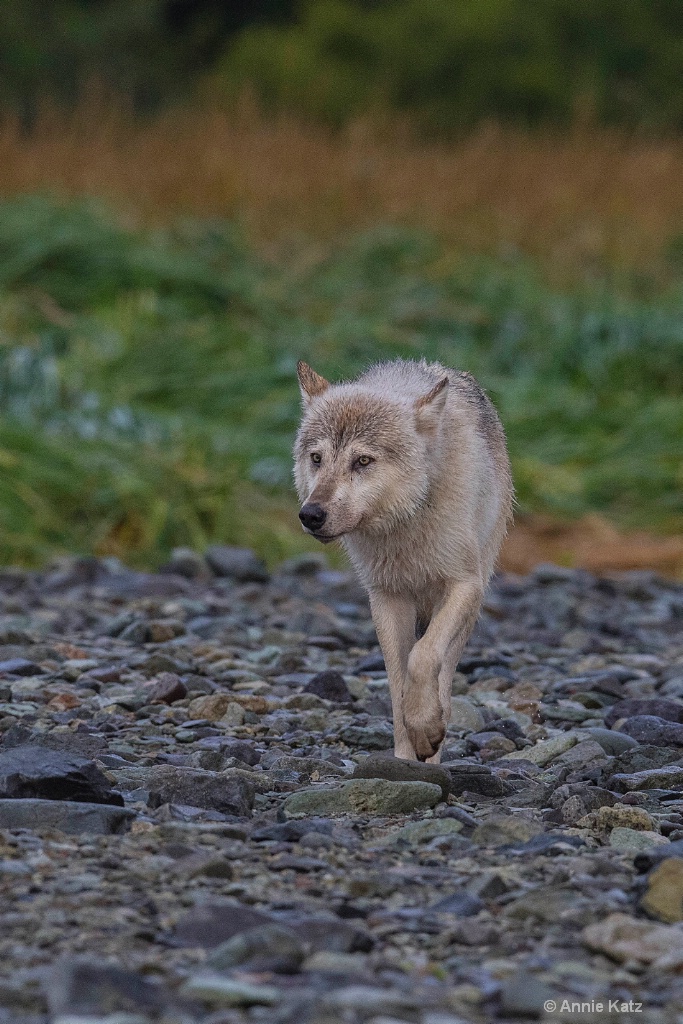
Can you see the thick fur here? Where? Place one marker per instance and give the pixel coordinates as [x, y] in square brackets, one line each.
[422, 521]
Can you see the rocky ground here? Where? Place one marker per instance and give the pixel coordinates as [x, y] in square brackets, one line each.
[201, 820]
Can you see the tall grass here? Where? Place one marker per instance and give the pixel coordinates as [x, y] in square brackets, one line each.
[147, 375]
[589, 202]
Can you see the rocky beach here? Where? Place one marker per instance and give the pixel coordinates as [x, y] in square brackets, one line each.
[201, 821]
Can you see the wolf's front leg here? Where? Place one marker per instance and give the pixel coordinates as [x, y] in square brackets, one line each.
[431, 666]
[394, 619]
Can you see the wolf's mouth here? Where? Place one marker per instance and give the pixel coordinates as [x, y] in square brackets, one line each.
[324, 538]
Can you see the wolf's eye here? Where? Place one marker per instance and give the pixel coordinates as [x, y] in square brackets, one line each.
[363, 460]
[316, 458]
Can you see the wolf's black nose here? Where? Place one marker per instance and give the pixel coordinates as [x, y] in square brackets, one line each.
[312, 516]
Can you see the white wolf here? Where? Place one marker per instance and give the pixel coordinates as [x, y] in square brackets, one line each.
[408, 466]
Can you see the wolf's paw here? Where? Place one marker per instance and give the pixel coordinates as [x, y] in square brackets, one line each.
[425, 724]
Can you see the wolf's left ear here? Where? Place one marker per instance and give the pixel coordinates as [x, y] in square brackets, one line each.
[429, 407]
[310, 382]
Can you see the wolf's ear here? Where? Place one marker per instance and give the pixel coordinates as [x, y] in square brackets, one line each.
[429, 407]
[310, 382]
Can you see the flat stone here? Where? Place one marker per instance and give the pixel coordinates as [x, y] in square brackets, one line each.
[630, 840]
[624, 938]
[218, 990]
[364, 796]
[667, 777]
[501, 830]
[663, 897]
[85, 987]
[396, 769]
[418, 832]
[524, 995]
[619, 816]
[71, 817]
[653, 730]
[669, 710]
[474, 778]
[213, 922]
[35, 771]
[239, 564]
[229, 792]
[270, 947]
[545, 751]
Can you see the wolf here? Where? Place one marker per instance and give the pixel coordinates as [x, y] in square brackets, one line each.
[408, 467]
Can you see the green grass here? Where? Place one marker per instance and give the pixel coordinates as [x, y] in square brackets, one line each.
[148, 395]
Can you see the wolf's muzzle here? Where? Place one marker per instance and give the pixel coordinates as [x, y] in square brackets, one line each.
[312, 516]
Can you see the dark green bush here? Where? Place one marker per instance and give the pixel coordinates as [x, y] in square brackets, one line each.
[450, 63]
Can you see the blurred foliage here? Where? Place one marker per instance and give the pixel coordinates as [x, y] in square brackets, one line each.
[147, 379]
[450, 64]
[446, 64]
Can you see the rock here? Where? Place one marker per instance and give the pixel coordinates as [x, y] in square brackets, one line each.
[212, 707]
[645, 758]
[20, 667]
[367, 999]
[304, 769]
[624, 938]
[629, 840]
[524, 995]
[34, 771]
[396, 769]
[240, 749]
[218, 990]
[73, 818]
[668, 777]
[167, 689]
[364, 796]
[461, 904]
[545, 751]
[584, 753]
[370, 663]
[270, 947]
[669, 710]
[188, 563]
[648, 859]
[332, 935]
[418, 832]
[620, 816]
[229, 793]
[371, 737]
[474, 778]
[211, 923]
[652, 730]
[239, 564]
[465, 715]
[329, 685]
[612, 743]
[87, 988]
[663, 897]
[500, 830]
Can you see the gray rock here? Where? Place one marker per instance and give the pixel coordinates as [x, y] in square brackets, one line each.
[524, 995]
[213, 922]
[474, 778]
[329, 685]
[545, 751]
[500, 830]
[668, 777]
[323, 932]
[239, 564]
[612, 743]
[370, 737]
[631, 840]
[652, 730]
[364, 796]
[645, 758]
[86, 987]
[466, 716]
[227, 792]
[35, 771]
[418, 832]
[73, 818]
[397, 769]
[218, 990]
[270, 947]
[669, 710]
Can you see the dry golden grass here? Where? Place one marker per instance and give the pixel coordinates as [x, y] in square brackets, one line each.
[584, 200]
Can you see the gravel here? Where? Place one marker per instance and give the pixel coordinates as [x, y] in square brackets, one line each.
[201, 821]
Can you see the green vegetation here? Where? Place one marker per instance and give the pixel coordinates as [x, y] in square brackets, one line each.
[147, 378]
[448, 64]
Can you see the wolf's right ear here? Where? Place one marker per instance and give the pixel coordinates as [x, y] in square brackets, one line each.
[310, 382]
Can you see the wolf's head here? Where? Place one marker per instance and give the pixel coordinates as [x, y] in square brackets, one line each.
[362, 457]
